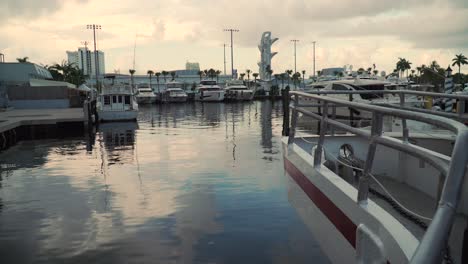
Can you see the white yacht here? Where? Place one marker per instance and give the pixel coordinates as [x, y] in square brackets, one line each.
[174, 93]
[209, 91]
[145, 94]
[373, 197]
[117, 103]
[237, 91]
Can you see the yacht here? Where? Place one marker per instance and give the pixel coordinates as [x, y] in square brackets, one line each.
[117, 103]
[174, 93]
[374, 197]
[237, 91]
[209, 91]
[145, 94]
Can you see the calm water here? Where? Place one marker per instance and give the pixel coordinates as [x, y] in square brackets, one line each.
[188, 183]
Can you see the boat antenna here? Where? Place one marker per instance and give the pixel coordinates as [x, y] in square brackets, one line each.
[134, 51]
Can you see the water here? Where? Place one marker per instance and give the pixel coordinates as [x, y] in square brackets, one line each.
[188, 183]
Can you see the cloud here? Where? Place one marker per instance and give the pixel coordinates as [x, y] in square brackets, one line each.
[18, 9]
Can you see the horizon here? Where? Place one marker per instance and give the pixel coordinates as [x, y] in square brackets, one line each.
[168, 35]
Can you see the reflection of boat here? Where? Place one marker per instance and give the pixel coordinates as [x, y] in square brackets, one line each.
[119, 141]
[374, 198]
[117, 103]
[145, 94]
[209, 91]
[237, 91]
[174, 93]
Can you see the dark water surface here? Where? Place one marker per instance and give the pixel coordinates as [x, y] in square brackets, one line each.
[188, 183]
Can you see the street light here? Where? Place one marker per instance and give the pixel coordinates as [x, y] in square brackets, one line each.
[96, 56]
[313, 42]
[232, 49]
[295, 64]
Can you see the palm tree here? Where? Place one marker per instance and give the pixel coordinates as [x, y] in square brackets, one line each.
[255, 75]
[150, 73]
[248, 76]
[319, 73]
[375, 72]
[22, 60]
[242, 76]
[360, 71]
[288, 73]
[369, 70]
[132, 72]
[173, 75]
[67, 72]
[217, 73]
[459, 60]
[434, 65]
[211, 73]
[200, 73]
[157, 80]
[164, 74]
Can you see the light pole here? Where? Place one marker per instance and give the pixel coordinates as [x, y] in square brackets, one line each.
[96, 57]
[313, 42]
[295, 64]
[224, 46]
[232, 49]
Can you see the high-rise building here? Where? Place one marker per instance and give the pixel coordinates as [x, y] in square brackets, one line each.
[192, 66]
[85, 60]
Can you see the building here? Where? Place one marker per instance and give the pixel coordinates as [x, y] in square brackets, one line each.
[266, 55]
[192, 66]
[85, 60]
[21, 73]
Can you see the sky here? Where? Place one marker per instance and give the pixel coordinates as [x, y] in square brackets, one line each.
[170, 33]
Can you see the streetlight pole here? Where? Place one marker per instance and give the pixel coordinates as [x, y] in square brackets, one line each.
[96, 57]
[295, 64]
[224, 46]
[313, 42]
[232, 49]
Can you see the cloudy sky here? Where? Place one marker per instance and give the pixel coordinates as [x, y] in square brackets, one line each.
[169, 33]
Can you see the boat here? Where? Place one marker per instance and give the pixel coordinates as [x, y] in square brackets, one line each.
[145, 94]
[374, 197]
[237, 91]
[174, 93]
[117, 103]
[209, 91]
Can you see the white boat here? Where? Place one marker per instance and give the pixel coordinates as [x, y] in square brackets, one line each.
[237, 91]
[372, 197]
[117, 103]
[209, 91]
[145, 94]
[174, 93]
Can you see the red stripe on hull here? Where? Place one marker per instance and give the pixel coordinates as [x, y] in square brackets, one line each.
[339, 219]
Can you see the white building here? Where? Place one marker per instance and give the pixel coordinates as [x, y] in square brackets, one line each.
[192, 66]
[85, 60]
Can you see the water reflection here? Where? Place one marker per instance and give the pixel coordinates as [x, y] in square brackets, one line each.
[188, 183]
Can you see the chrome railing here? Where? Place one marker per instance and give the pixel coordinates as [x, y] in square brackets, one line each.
[432, 245]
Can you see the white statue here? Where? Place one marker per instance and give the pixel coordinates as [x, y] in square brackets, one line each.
[266, 55]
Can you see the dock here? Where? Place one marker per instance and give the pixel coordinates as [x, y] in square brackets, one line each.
[24, 124]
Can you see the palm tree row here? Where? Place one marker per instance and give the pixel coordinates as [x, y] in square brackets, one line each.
[211, 73]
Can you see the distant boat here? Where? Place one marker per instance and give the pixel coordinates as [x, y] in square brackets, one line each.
[237, 91]
[209, 91]
[117, 103]
[145, 94]
[174, 93]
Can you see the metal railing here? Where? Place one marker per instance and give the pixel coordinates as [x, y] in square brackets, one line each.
[434, 241]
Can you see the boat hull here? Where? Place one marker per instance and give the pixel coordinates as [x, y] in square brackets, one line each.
[327, 205]
[210, 97]
[239, 95]
[115, 116]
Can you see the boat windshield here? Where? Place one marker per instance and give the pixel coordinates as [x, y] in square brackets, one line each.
[208, 83]
[174, 85]
[210, 89]
[145, 90]
[368, 87]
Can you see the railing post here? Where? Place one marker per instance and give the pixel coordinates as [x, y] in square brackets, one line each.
[351, 112]
[403, 120]
[286, 99]
[332, 128]
[461, 109]
[323, 129]
[292, 129]
[363, 188]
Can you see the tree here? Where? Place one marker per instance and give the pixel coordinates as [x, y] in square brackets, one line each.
[150, 73]
[67, 72]
[217, 73]
[375, 72]
[369, 70]
[459, 60]
[242, 76]
[157, 80]
[255, 75]
[200, 73]
[248, 74]
[132, 72]
[211, 73]
[22, 60]
[164, 74]
[288, 75]
[303, 77]
[173, 75]
[360, 71]
[434, 66]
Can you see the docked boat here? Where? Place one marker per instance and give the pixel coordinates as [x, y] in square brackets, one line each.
[117, 103]
[374, 197]
[174, 93]
[209, 91]
[237, 91]
[145, 94]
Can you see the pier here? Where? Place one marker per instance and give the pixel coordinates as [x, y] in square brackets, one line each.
[24, 124]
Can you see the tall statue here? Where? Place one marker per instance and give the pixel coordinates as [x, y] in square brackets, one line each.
[266, 55]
